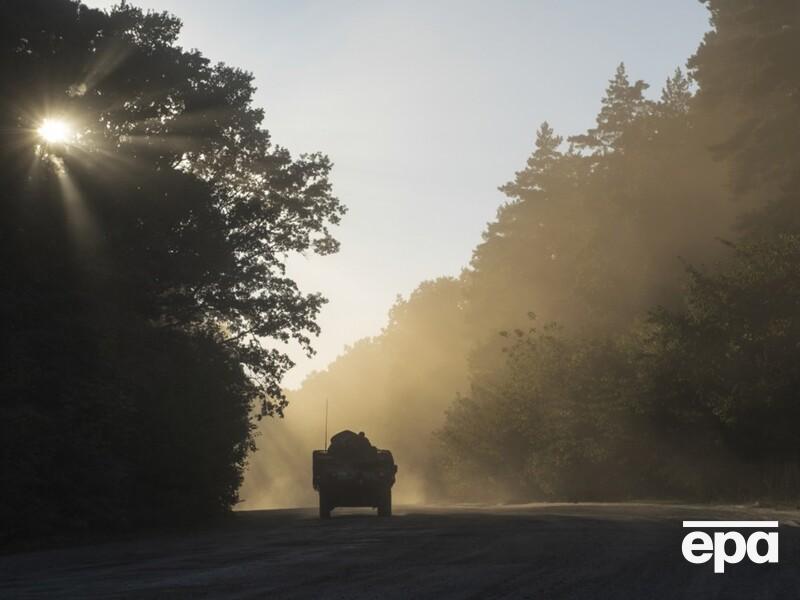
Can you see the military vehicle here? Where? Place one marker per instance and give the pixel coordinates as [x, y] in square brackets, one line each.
[353, 472]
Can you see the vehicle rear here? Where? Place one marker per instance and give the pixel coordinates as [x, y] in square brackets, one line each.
[343, 481]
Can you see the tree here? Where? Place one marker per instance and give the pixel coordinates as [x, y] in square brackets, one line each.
[539, 166]
[623, 105]
[676, 96]
[522, 262]
[571, 412]
[733, 347]
[748, 89]
[554, 422]
[144, 259]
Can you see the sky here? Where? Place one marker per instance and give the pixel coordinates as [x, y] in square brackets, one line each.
[425, 108]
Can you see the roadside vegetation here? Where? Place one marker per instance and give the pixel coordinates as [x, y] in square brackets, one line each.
[629, 325]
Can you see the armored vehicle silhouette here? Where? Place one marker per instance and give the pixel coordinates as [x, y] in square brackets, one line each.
[353, 472]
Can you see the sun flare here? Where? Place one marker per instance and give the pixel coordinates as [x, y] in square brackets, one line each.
[55, 131]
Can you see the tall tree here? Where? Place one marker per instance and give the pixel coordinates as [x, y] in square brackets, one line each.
[143, 258]
[750, 89]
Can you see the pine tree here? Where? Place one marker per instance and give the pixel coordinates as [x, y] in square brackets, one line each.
[540, 163]
[623, 103]
[749, 91]
[676, 94]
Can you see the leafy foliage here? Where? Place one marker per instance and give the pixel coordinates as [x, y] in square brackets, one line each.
[734, 344]
[145, 295]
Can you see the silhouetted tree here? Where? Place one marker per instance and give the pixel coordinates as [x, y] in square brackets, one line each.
[145, 294]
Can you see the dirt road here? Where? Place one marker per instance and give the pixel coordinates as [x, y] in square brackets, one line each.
[531, 551]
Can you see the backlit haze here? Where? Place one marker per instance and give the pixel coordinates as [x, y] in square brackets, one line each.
[420, 106]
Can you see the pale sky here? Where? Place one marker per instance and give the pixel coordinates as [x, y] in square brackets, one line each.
[425, 107]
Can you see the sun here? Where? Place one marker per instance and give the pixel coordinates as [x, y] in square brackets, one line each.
[55, 131]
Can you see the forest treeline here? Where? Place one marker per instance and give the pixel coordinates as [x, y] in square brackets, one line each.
[145, 303]
[629, 325]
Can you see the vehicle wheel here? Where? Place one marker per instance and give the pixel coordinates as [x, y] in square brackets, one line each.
[385, 507]
[324, 506]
